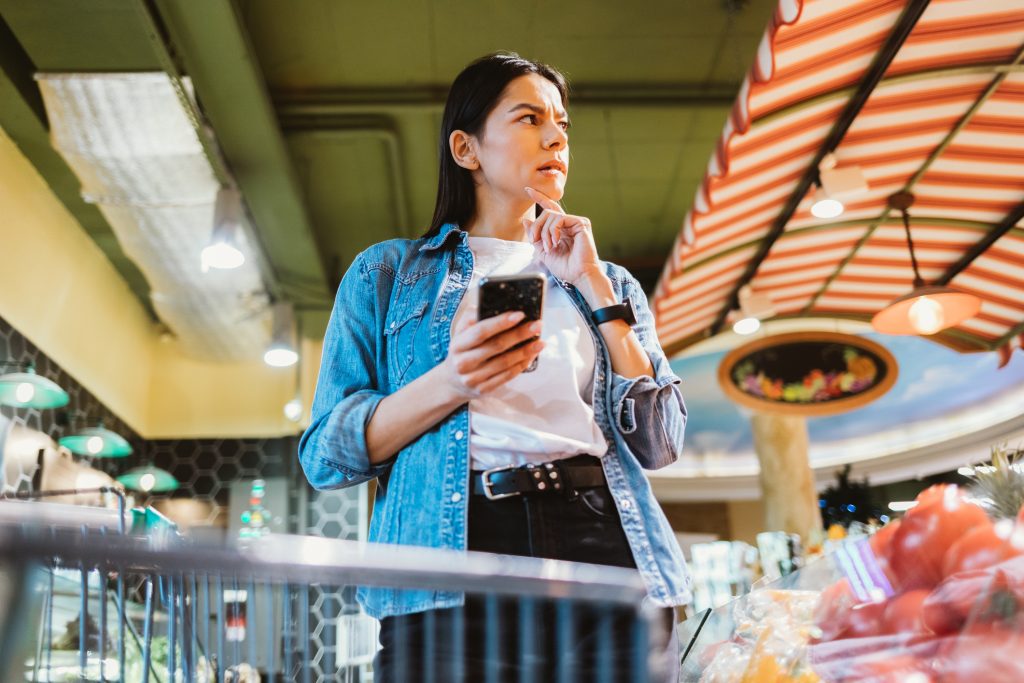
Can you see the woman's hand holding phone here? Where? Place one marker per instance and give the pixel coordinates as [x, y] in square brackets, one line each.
[481, 356]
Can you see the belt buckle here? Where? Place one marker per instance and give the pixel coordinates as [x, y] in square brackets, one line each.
[485, 477]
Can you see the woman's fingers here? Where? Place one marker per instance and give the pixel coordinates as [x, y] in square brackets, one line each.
[513, 362]
[503, 377]
[474, 358]
[470, 334]
[544, 200]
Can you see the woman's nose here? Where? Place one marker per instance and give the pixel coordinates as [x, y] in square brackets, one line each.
[556, 137]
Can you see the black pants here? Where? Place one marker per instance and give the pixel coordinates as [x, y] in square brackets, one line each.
[499, 640]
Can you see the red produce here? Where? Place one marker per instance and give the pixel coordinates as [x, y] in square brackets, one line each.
[983, 546]
[993, 591]
[864, 620]
[989, 653]
[835, 602]
[918, 547]
[903, 613]
[896, 668]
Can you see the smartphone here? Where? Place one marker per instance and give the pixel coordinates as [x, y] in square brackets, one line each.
[506, 293]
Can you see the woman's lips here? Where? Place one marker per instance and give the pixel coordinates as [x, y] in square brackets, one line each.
[550, 172]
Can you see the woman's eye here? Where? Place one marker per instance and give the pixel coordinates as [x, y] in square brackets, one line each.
[532, 117]
[564, 124]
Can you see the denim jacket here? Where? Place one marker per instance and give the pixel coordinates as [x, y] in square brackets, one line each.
[391, 323]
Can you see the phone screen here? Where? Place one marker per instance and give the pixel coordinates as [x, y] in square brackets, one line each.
[507, 293]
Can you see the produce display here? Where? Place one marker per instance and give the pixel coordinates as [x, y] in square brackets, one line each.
[953, 609]
[936, 597]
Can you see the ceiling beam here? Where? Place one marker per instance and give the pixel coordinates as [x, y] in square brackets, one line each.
[904, 25]
[328, 102]
[208, 38]
[918, 174]
[1007, 224]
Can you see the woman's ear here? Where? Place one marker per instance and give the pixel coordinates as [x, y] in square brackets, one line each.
[463, 148]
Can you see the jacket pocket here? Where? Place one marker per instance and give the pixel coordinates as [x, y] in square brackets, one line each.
[400, 334]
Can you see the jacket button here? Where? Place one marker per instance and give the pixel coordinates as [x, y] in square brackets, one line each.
[459, 435]
[456, 497]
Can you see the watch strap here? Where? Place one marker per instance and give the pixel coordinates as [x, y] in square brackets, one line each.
[623, 311]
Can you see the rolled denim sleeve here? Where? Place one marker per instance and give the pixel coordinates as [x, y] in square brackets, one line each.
[649, 412]
[333, 451]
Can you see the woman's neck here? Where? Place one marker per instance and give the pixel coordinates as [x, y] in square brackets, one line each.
[500, 219]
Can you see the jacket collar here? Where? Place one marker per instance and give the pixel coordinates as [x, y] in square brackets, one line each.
[438, 240]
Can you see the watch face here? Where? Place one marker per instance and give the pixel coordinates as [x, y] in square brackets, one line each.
[630, 312]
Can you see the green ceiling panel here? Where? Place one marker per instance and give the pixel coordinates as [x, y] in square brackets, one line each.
[81, 35]
[23, 118]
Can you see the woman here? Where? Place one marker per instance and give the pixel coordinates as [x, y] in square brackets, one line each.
[416, 392]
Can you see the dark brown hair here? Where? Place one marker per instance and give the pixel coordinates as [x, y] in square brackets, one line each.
[473, 95]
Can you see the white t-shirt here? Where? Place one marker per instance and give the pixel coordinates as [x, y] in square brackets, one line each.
[546, 414]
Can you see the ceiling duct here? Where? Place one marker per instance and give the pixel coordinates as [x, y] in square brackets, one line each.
[134, 147]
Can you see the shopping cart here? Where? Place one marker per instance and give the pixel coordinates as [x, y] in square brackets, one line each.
[86, 602]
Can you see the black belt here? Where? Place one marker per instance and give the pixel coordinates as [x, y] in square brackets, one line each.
[560, 476]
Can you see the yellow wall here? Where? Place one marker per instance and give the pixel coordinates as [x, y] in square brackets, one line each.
[58, 289]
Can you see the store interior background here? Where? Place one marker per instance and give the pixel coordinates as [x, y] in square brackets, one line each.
[326, 114]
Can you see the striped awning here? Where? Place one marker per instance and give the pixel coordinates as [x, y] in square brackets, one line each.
[923, 97]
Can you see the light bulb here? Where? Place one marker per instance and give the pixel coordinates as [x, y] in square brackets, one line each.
[24, 393]
[147, 481]
[826, 207]
[280, 357]
[293, 410]
[926, 316]
[94, 444]
[221, 255]
[746, 326]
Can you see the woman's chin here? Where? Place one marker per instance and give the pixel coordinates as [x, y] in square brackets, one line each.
[552, 187]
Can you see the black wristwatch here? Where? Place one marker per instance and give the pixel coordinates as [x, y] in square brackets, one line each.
[623, 311]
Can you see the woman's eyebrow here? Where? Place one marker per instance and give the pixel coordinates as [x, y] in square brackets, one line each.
[535, 109]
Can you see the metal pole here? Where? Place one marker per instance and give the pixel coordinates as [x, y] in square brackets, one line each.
[147, 631]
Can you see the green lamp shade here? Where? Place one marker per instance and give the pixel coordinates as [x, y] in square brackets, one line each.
[29, 390]
[148, 479]
[97, 442]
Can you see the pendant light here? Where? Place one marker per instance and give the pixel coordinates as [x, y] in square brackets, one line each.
[223, 251]
[97, 442]
[149, 479]
[282, 352]
[26, 389]
[927, 309]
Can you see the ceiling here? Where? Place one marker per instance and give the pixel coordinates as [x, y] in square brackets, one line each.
[327, 111]
[925, 97]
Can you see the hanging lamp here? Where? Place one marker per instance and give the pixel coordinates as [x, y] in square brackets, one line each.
[927, 309]
[97, 442]
[26, 389]
[149, 479]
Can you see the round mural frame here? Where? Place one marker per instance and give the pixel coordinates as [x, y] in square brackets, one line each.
[807, 409]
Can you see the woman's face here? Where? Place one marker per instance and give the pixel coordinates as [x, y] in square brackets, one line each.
[525, 142]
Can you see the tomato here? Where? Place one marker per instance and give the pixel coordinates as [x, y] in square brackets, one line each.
[995, 590]
[834, 603]
[987, 653]
[864, 620]
[926, 532]
[982, 546]
[933, 493]
[903, 613]
[881, 540]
